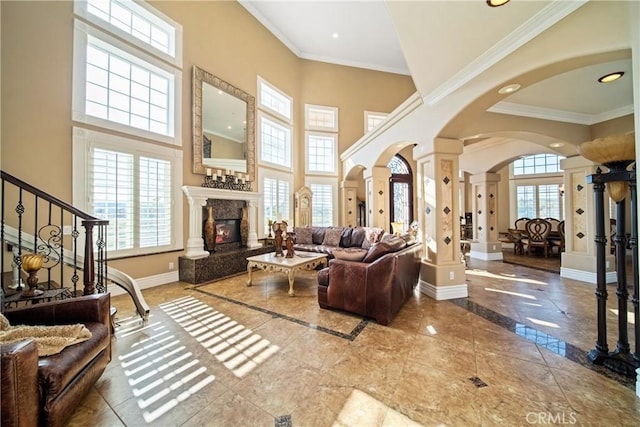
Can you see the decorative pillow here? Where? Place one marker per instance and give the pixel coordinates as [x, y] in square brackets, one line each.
[332, 236]
[304, 235]
[345, 240]
[409, 238]
[372, 235]
[318, 235]
[376, 251]
[357, 236]
[350, 254]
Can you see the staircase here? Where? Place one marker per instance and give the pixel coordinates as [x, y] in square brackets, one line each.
[73, 245]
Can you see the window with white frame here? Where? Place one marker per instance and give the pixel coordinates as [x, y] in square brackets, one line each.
[373, 119]
[323, 202]
[127, 69]
[321, 153]
[127, 77]
[538, 186]
[133, 187]
[274, 126]
[321, 136]
[276, 195]
[537, 164]
[321, 118]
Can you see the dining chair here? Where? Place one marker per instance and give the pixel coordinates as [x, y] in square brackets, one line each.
[537, 232]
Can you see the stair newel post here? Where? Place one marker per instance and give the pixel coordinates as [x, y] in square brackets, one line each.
[89, 273]
[601, 351]
[633, 243]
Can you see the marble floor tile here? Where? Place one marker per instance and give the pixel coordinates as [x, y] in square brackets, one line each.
[224, 354]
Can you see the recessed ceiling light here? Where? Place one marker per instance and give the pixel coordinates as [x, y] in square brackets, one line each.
[611, 77]
[335, 35]
[509, 88]
[556, 144]
[497, 3]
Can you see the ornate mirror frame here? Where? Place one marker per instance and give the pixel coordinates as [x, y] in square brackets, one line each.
[201, 76]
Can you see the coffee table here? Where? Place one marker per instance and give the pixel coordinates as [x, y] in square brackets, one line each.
[272, 263]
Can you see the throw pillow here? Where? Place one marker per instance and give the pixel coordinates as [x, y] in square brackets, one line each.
[332, 236]
[350, 254]
[372, 235]
[303, 235]
[376, 251]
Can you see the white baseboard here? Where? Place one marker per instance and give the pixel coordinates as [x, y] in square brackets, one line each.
[443, 292]
[486, 256]
[586, 276]
[148, 282]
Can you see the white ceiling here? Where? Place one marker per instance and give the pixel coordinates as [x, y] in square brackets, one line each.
[443, 45]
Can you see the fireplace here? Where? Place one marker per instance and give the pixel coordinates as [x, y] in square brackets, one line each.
[227, 231]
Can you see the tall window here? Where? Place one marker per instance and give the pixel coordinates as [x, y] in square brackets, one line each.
[401, 191]
[276, 194]
[127, 78]
[373, 119]
[322, 205]
[538, 180]
[132, 186]
[321, 125]
[274, 126]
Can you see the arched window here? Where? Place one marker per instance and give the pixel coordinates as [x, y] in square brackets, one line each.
[401, 191]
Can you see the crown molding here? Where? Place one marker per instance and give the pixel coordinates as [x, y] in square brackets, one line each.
[535, 25]
[558, 115]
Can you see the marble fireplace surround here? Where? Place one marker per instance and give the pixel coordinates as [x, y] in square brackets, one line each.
[197, 198]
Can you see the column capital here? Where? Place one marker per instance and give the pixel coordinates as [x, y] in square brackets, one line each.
[438, 146]
[484, 177]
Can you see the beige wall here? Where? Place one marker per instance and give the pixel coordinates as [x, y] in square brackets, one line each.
[218, 36]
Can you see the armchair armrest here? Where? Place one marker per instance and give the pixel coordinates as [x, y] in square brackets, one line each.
[88, 308]
[19, 389]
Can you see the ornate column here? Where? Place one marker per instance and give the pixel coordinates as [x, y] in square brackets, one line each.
[195, 243]
[377, 186]
[485, 244]
[348, 193]
[252, 211]
[442, 275]
[578, 260]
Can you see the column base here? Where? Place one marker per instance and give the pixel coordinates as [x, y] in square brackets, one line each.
[442, 282]
[583, 268]
[486, 251]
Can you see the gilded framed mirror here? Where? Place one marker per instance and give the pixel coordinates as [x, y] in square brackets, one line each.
[223, 126]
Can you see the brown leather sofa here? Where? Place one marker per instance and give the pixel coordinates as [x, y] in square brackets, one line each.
[319, 239]
[45, 391]
[376, 287]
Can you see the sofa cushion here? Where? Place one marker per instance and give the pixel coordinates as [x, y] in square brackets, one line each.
[409, 238]
[376, 251]
[345, 240]
[304, 235]
[372, 235]
[357, 236]
[332, 236]
[350, 254]
[395, 243]
[318, 235]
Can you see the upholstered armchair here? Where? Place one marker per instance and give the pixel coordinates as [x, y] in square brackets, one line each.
[45, 390]
[537, 230]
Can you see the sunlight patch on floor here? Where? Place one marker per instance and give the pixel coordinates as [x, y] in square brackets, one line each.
[516, 294]
[485, 273]
[239, 349]
[360, 409]
[159, 370]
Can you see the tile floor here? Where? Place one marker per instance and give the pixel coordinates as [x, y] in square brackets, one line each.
[223, 354]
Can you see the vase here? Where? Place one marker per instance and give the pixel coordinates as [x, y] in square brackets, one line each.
[209, 231]
[31, 263]
[244, 227]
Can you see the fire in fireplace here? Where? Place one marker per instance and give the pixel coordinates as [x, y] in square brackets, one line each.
[227, 231]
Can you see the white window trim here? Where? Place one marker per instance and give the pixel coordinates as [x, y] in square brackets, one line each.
[333, 110]
[153, 15]
[262, 162]
[83, 139]
[366, 119]
[80, 40]
[334, 192]
[280, 176]
[334, 172]
[283, 118]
